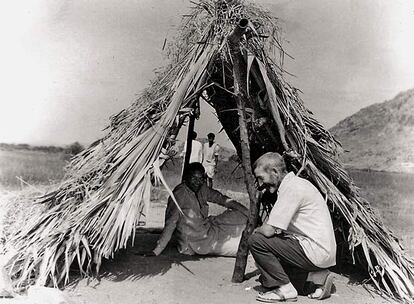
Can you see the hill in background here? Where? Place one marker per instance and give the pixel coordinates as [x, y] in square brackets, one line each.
[380, 136]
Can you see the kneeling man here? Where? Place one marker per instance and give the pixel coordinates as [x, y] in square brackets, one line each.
[196, 232]
[297, 243]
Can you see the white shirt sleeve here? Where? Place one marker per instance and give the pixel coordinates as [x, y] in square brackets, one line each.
[284, 209]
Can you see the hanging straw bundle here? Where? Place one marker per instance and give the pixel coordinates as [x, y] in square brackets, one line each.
[93, 213]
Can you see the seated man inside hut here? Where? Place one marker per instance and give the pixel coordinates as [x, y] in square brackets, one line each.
[297, 243]
[196, 232]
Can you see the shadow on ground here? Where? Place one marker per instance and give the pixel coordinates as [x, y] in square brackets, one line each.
[133, 263]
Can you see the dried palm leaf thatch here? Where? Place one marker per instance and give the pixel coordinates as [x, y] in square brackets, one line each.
[93, 212]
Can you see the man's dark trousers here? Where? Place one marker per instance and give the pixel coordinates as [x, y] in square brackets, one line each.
[281, 260]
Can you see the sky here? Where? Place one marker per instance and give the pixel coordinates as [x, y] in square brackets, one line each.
[69, 65]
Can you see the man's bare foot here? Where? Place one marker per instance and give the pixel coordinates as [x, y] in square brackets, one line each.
[316, 294]
[284, 293]
[323, 291]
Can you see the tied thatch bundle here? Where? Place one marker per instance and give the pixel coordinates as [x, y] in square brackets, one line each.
[93, 213]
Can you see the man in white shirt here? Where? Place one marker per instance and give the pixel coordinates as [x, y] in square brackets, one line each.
[210, 158]
[196, 155]
[297, 242]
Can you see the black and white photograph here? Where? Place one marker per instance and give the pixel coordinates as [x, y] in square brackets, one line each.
[206, 151]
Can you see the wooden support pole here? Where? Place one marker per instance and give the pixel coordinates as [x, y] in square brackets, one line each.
[240, 89]
[189, 143]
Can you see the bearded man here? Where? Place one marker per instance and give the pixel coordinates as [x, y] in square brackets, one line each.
[297, 243]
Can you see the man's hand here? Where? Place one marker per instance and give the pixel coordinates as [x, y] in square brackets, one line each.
[257, 230]
[235, 205]
[267, 230]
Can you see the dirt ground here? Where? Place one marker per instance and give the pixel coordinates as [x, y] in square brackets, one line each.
[175, 278]
[132, 278]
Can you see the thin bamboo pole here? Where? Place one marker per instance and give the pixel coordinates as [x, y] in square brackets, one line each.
[240, 89]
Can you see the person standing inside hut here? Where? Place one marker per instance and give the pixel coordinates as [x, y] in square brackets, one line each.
[195, 231]
[196, 155]
[297, 243]
[210, 158]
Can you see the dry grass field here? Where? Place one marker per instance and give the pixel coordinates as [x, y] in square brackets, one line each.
[33, 167]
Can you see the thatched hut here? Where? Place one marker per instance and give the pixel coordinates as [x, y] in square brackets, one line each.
[229, 54]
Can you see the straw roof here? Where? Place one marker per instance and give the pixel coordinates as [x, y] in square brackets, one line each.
[94, 211]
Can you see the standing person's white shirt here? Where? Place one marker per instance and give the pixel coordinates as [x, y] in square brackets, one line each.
[209, 158]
